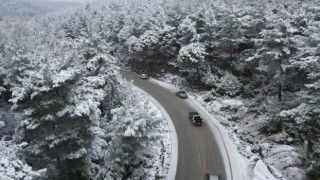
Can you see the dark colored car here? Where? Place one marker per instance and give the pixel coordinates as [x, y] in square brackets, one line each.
[195, 118]
[144, 76]
[182, 94]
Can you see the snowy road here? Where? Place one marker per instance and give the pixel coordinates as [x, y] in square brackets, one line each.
[198, 152]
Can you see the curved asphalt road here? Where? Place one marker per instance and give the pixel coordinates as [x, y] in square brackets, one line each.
[198, 152]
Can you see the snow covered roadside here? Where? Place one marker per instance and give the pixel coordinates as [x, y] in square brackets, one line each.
[170, 143]
[252, 168]
[230, 155]
[261, 156]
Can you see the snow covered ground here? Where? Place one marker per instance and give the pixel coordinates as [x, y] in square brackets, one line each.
[260, 154]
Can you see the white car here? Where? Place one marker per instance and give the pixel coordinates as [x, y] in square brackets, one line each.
[213, 176]
[182, 94]
[144, 76]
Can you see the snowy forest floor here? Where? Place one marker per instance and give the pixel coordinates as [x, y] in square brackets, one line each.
[264, 155]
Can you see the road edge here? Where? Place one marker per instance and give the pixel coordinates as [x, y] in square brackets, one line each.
[228, 146]
[174, 139]
[231, 155]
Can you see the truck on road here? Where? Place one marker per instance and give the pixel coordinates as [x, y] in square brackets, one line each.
[195, 118]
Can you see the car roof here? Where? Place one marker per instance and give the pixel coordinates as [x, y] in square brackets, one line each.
[213, 176]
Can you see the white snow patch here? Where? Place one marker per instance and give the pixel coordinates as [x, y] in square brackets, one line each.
[166, 85]
[261, 171]
[232, 103]
[2, 124]
[11, 167]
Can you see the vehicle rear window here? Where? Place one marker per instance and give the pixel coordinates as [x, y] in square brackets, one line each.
[197, 118]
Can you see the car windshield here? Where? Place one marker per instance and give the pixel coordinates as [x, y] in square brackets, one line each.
[182, 92]
[197, 118]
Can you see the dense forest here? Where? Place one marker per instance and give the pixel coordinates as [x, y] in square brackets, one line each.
[60, 73]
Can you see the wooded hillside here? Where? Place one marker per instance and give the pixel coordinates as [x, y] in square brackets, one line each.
[60, 71]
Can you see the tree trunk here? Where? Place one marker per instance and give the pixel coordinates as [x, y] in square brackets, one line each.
[279, 91]
[231, 51]
[198, 73]
[7, 95]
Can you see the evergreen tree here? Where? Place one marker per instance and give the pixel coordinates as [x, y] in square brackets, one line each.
[192, 56]
[274, 46]
[60, 108]
[131, 133]
[187, 32]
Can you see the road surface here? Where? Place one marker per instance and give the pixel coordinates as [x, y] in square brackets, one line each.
[197, 149]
